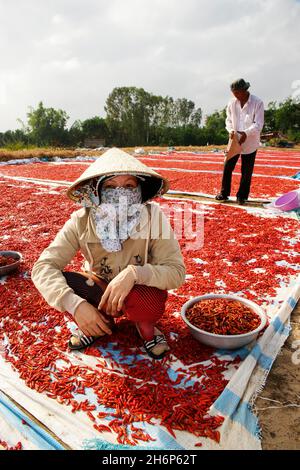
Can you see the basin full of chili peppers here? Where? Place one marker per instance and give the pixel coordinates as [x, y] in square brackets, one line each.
[9, 261]
[223, 321]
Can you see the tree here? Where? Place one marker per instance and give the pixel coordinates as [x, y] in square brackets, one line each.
[215, 127]
[196, 117]
[128, 112]
[287, 116]
[75, 134]
[13, 139]
[47, 126]
[284, 117]
[94, 128]
[270, 117]
[136, 117]
[183, 112]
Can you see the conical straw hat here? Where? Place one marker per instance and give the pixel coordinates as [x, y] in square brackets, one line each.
[117, 162]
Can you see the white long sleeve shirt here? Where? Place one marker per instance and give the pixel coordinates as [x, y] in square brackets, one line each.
[249, 119]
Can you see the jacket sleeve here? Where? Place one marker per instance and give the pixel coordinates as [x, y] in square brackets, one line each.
[47, 271]
[258, 123]
[167, 269]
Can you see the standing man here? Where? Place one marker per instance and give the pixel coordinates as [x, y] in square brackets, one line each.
[245, 118]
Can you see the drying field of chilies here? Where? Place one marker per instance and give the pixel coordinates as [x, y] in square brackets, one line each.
[112, 395]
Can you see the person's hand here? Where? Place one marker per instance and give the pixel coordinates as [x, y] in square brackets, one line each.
[90, 321]
[117, 291]
[243, 137]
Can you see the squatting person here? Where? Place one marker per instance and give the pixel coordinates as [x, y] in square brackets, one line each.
[131, 254]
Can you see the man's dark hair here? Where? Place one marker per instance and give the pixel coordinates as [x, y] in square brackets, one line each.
[239, 84]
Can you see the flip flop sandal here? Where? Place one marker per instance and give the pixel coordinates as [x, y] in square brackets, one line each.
[149, 345]
[84, 342]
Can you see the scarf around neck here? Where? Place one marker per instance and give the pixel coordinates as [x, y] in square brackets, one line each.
[116, 215]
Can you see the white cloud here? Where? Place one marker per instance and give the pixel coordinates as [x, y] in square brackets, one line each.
[57, 19]
[3, 94]
[58, 39]
[71, 54]
[67, 65]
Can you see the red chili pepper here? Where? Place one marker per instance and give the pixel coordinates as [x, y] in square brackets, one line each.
[223, 317]
[6, 260]
[4, 444]
[91, 416]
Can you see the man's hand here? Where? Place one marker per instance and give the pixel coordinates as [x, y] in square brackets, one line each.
[117, 291]
[243, 137]
[90, 321]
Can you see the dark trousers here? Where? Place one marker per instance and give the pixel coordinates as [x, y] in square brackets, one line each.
[77, 282]
[144, 305]
[247, 171]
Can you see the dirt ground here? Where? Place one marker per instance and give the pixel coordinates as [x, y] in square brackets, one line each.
[280, 419]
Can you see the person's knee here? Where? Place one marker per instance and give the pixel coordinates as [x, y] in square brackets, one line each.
[145, 303]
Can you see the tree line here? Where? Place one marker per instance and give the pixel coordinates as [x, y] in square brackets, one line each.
[135, 117]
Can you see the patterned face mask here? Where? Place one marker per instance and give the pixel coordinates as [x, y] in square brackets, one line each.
[117, 215]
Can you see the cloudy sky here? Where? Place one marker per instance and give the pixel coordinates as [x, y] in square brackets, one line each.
[70, 54]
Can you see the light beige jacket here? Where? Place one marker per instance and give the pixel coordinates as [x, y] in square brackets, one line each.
[152, 250]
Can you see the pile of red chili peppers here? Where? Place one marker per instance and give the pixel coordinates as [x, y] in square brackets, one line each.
[6, 260]
[223, 317]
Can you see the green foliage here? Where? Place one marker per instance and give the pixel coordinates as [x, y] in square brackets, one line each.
[18, 146]
[284, 118]
[270, 119]
[47, 126]
[11, 138]
[293, 135]
[95, 128]
[75, 134]
[136, 117]
[215, 127]
[128, 111]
